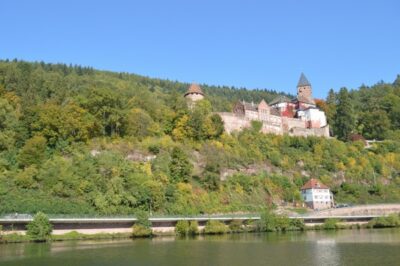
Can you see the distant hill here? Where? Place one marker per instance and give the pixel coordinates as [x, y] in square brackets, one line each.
[76, 140]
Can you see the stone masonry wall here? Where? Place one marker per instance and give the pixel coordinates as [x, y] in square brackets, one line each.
[293, 127]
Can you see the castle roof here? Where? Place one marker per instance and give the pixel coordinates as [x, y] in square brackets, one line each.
[303, 81]
[194, 88]
[250, 106]
[280, 99]
[313, 183]
[262, 104]
[304, 99]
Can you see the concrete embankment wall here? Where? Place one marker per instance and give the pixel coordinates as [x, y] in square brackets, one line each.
[95, 226]
[159, 225]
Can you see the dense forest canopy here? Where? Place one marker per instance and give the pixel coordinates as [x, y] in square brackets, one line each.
[76, 140]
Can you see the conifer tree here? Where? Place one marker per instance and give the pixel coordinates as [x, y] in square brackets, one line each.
[344, 119]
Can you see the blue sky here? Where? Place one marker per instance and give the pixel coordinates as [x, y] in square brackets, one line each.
[252, 44]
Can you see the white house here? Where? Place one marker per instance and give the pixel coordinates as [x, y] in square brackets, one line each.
[317, 195]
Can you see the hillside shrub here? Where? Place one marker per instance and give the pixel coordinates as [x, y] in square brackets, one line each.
[40, 228]
[215, 227]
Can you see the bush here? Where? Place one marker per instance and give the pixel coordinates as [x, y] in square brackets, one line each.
[215, 227]
[267, 222]
[142, 226]
[139, 230]
[392, 220]
[271, 222]
[331, 224]
[143, 219]
[236, 226]
[40, 228]
[250, 225]
[182, 228]
[193, 228]
[282, 223]
[297, 224]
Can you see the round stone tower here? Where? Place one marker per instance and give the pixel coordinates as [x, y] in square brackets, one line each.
[194, 93]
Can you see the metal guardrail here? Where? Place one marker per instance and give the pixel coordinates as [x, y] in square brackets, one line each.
[179, 218]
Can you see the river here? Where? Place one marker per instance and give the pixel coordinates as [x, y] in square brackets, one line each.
[345, 247]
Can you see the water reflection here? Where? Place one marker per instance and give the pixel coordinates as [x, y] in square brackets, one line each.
[325, 252]
[347, 247]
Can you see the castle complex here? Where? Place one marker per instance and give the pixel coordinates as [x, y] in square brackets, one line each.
[297, 117]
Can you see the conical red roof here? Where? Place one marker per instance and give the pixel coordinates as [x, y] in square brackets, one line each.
[194, 88]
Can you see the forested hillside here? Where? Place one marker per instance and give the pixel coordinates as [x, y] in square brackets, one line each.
[76, 140]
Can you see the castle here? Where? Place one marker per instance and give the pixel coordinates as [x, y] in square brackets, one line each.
[297, 117]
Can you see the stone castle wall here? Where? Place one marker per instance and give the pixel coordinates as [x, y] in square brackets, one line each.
[305, 132]
[274, 124]
[234, 122]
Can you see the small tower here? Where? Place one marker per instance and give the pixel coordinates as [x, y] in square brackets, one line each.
[304, 91]
[194, 93]
[304, 87]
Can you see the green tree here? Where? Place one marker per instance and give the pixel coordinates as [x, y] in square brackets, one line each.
[8, 124]
[344, 119]
[180, 167]
[64, 123]
[375, 124]
[40, 228]
[107, 106]
[198, 120]
[331, 108]
[217, 126]
[182, 228]
[140, 124]
[142, 227]
[193, 228]
[27, 177]
[33, 152]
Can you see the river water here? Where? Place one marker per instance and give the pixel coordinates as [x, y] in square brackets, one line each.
[345, 247]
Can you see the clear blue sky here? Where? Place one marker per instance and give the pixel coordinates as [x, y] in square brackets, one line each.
[254, 44]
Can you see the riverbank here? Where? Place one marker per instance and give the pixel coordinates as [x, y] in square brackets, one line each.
[266, 224]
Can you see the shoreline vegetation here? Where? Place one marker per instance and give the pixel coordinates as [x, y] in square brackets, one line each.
[40, 229]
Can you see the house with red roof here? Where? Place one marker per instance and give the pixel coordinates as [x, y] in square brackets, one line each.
[316, 195]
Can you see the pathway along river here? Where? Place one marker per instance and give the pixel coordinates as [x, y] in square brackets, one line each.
[345, 247]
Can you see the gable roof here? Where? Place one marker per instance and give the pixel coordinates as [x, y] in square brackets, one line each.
[250, 106]
[303, 81]
[280, 99]
[263, 104]
[313, 183]
[194, 88]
